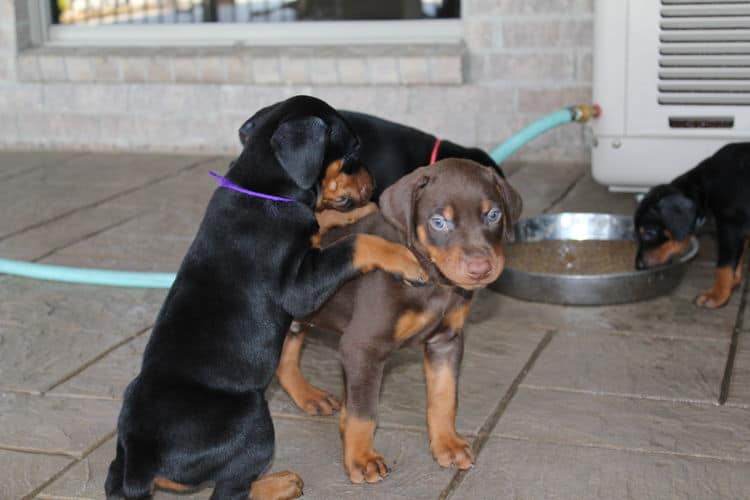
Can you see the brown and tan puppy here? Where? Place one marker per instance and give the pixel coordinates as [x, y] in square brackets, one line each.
[454, 215]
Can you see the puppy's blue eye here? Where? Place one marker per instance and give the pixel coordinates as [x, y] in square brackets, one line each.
[439, 223]
[493, 216]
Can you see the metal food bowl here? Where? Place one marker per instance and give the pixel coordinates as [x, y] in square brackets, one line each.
[588, 289]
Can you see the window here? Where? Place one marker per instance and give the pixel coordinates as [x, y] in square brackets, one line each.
[109, 12]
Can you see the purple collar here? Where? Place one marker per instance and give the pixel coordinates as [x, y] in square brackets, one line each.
[226, 183]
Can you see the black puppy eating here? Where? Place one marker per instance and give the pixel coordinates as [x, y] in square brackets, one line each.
[669, 215]
[197, 412]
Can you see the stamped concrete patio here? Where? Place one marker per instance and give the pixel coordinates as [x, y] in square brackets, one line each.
[560, 402]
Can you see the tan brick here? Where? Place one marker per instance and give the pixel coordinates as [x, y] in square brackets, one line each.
[323, 71]
[511, 67]
[383, 70]
[52, 68]
[413, 70]
[482, 34]
[7, 69]
[266, 70]
[7, 37]
[133, 68]
[352, 71]
[584, 71]
[106, 68]
[239, 69]
[79, 68]
[8, 128]
[28, 68]
[159, 69]
[7, 9]
[185, 69]
[447, 69]
[213, 69]
[22, 97]
[539, 101]
[294, 70]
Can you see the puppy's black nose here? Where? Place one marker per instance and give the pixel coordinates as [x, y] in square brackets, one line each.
[478, 268]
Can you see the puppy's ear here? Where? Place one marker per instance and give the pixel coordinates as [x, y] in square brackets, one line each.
[245, 130]
[679, 214]
[512, 203]
[398, 202]
[300, 146]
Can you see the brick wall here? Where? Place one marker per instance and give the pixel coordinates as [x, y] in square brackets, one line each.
[520, 59]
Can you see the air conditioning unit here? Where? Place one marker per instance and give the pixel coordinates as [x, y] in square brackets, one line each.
[673, 80]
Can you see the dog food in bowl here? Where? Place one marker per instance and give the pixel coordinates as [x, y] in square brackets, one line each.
[572, 256]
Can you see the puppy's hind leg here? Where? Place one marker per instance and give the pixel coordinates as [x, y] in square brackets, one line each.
[308, 398]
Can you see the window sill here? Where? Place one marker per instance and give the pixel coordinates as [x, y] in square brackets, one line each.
[376, 64]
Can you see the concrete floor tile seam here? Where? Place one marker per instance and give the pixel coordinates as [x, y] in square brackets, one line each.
[43, 164]
[726, 380]
[641, 451]
[109, 198]
[485, 432]
[559, 199]
[642, 335]
[95, 359]
[621, 395]
[91, 235]
[72, 464]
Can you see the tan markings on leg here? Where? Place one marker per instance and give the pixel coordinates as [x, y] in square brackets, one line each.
[722, 290]
[446, 445]
[740, 264]
[455, 318]
[411, 322]
[166, 484]
[283, 485]
[330, 218]
[372, 252]
[308, 398]
[361, 461]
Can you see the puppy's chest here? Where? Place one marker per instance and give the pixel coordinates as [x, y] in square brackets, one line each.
[435, 315]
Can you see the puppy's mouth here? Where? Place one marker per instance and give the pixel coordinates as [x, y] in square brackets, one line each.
[662, 255]
[474, 273]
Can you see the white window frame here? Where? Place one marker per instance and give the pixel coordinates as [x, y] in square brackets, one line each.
[301, 33]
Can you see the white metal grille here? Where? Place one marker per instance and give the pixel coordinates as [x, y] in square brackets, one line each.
[704, 52]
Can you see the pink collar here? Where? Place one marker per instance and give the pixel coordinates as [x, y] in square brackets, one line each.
[433, 155]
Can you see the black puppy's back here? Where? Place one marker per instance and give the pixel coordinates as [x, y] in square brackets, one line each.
[392, 150]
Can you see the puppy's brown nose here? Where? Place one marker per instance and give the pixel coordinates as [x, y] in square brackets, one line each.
[478, 268]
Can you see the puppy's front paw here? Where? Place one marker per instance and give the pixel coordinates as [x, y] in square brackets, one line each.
[284, 485]
[367, 466]
[452, 450]
[317, 402]
[712, 299]
[407, 267]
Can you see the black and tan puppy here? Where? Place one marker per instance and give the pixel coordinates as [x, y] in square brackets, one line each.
[669, 214]
[455, 215]
[390, 150]
[197, 412]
